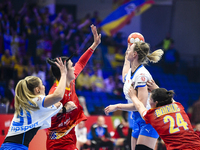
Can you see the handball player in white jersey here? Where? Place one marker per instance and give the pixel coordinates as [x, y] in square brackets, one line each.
[33, 110]
[134, 74]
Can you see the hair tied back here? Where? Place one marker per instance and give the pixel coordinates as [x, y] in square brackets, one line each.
[51, 62]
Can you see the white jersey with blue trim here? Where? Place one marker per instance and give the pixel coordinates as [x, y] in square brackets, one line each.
[38, 118]
[138, 79]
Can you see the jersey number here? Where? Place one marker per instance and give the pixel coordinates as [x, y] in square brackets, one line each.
[179, 121]
[21, 122]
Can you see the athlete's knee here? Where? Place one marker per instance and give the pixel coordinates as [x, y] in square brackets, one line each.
[142, 147]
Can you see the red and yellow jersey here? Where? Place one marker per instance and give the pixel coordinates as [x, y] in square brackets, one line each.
[174, 127]
[63, 124]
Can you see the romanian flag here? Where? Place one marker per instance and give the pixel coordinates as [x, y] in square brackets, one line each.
[121, 16]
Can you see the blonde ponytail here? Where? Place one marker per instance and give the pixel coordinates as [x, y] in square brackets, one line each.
[144, 55]
[155, 56]
[25, 94]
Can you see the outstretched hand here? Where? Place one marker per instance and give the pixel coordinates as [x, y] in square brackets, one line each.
[61, 66]
[70, 106]
[97, 37]
[57, 104]
[110, 108]
[132, 92]
[152, 85]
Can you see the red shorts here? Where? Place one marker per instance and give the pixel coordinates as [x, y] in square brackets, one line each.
[67, 142]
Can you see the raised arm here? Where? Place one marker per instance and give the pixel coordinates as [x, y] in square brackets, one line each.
[97, 37]
[60, 90]
[86, 56]
[124, 107]
[126, 65]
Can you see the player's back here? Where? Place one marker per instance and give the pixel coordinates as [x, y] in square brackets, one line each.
[173, 125]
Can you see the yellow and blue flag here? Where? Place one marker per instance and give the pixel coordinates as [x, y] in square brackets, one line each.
[121, 16]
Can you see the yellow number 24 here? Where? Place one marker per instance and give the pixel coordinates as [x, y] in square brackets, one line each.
[179, 121]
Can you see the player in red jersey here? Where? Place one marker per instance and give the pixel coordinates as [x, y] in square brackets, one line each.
[61, 135]
[168, 118]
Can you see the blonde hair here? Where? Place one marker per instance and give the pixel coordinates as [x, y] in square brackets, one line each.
[144, 55]
[24, 93]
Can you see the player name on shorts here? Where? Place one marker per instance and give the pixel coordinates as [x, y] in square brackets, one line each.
[23, 128]
[167, 109]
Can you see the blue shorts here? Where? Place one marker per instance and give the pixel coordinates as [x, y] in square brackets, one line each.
[141, 128]
[13, 146]
[130, 120]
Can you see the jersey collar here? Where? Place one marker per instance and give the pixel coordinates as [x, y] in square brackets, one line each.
[67, 88]
[136, 71]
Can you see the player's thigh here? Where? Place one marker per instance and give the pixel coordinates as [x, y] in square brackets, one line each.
[133, 143]
[148, 141]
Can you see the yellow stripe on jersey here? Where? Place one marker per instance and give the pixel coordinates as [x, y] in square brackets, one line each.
[67, 88]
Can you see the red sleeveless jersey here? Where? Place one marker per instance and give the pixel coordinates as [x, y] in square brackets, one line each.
[174, 127]
[61, 134]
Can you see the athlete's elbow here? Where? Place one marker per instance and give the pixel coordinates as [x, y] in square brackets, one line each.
[138, 105]
[58, 96]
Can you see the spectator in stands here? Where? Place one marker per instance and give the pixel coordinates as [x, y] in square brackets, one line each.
[14, 42]
[22, 44]
[96, 82]
[165, 43]
[121, 136]
[118, 84]
[6, 36]
[118, 59]
[83, 80]
[98, 68]
[58, 25]
[195, 118]
[83, 104]
[42, 74]
[109, 83]
[4, 105]
[81, 135]
[171, 60]
[10, 94]
[47, 26]
[16, 57]
[7, 67]
[85, 24]
[20, 70]
[96, 20]
[119, 40]
[32, 44]
[100, 135]
[59, 45]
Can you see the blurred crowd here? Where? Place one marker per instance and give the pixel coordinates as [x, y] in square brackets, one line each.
[32, 34]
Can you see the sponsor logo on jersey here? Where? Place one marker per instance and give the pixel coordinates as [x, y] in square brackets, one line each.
[143, 78]
[23, 128]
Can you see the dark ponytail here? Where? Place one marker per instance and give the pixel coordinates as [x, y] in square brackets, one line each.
[54, 68]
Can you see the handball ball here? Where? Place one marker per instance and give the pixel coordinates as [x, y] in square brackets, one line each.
[135, 37]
